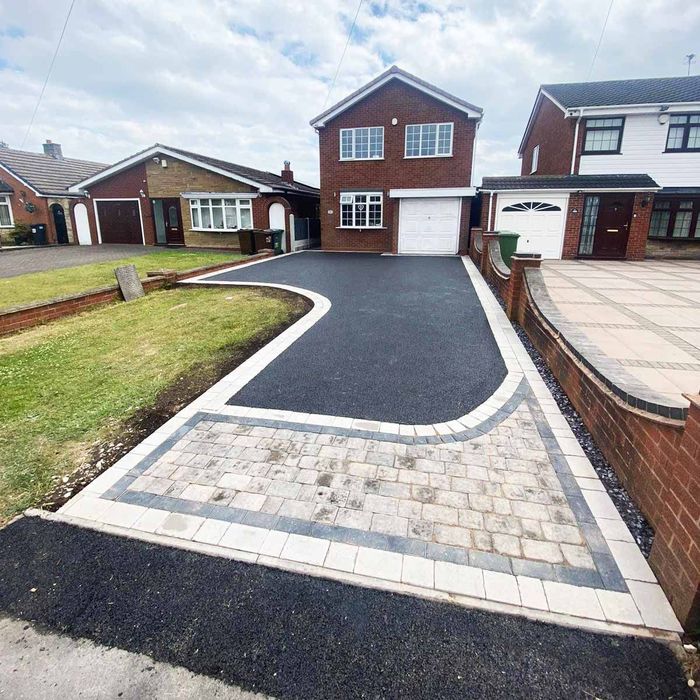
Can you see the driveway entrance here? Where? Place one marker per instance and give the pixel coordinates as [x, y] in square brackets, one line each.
[406, 340]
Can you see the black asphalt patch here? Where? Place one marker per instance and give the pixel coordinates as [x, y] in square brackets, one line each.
[295, 636]
[406, 340]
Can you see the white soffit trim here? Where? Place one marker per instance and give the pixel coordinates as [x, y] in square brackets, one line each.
[161, 150]
[434, 192]
[403, 78]
[573, 189]
[226, 195]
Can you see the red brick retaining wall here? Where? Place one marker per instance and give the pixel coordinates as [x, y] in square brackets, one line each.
[29, 315]
[657, 459]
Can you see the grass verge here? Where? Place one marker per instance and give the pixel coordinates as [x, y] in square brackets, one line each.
[113, 375]
[41, 286]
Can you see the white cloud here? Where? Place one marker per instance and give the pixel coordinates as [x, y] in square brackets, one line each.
[241, 80]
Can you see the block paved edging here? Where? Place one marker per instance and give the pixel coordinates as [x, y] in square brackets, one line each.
[18, 318]
[638, 608]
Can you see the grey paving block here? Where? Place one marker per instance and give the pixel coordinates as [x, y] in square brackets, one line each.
[443, 552]
[490, 561]
[536, 569]
[609, 572]
[577, 576]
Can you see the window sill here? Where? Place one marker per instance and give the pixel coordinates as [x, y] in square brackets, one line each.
[682, 150]
[601, 153]
[360, 228]
[8, 227]
[218, 230]
[350, 160]
[441, 155]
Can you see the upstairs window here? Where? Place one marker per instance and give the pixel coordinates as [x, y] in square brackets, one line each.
[603, 136]
[428, 140]
[535, 159]
[5, 212]
[364, 143]
[683, 133]
[361, 210]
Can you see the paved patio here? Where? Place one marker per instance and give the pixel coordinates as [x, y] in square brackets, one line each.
[638, 323]
[498, 507]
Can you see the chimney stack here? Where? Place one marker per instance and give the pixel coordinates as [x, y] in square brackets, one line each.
[53, 149]
[287, 173]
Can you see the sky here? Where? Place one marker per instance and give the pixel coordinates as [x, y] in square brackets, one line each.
[241, 79]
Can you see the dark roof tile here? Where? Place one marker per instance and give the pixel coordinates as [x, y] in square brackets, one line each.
[568, 182]
[46, 174]
[626, 92]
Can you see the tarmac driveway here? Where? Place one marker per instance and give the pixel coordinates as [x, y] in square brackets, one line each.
[23, 261]
[405, 341]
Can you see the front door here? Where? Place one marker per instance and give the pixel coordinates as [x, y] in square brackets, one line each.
[606, 225]
[168, 221]
[59, 222]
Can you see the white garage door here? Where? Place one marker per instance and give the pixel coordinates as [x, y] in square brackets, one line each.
[539, 220]
[429, 226]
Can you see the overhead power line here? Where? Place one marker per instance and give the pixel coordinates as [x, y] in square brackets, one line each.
[48, 74]
[600, 40]
[340, 62]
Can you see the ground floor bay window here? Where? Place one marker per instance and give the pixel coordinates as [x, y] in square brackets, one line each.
[214, 214]
[675, 218]
[361, 209]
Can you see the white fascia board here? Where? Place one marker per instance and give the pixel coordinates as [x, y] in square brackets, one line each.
[160, 150]
[225, 195]
[433, 192]
[654, 108]
[394, 76]
[531, 118]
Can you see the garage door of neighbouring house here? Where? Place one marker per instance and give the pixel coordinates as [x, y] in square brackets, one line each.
[538, 218]
[429, 226]
[119, 221]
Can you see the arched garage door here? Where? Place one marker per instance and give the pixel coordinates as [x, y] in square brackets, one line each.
[119, 221]
[538, 218]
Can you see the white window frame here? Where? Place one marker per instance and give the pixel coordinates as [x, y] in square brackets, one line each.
[353, 131]
[437, 126]
[354, 211]
[195, 203]
[6, 199]
[535, 159]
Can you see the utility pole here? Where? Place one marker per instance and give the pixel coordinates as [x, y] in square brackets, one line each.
[690, 58]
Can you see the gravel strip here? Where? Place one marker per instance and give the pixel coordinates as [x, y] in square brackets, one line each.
[636, 522]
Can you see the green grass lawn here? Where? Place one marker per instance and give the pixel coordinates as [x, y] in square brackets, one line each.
[71, 383]
[40, 286]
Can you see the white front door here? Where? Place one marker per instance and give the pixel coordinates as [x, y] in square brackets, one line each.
[82, 224]
[276, 217]
[429, 225]
[539, 218]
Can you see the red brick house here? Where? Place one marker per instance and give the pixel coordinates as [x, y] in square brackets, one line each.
[609, 170]
[34, 192]
[168, 196]
[396, 162]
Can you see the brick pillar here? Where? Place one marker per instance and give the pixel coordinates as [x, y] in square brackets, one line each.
[473, 253]
[486, 239]
[639, 226]
[518, 263]
[675, 554]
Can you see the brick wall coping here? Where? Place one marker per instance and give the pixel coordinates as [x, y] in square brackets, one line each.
[478, 241]
[22, 316]
[608, 370]
[496, 259]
